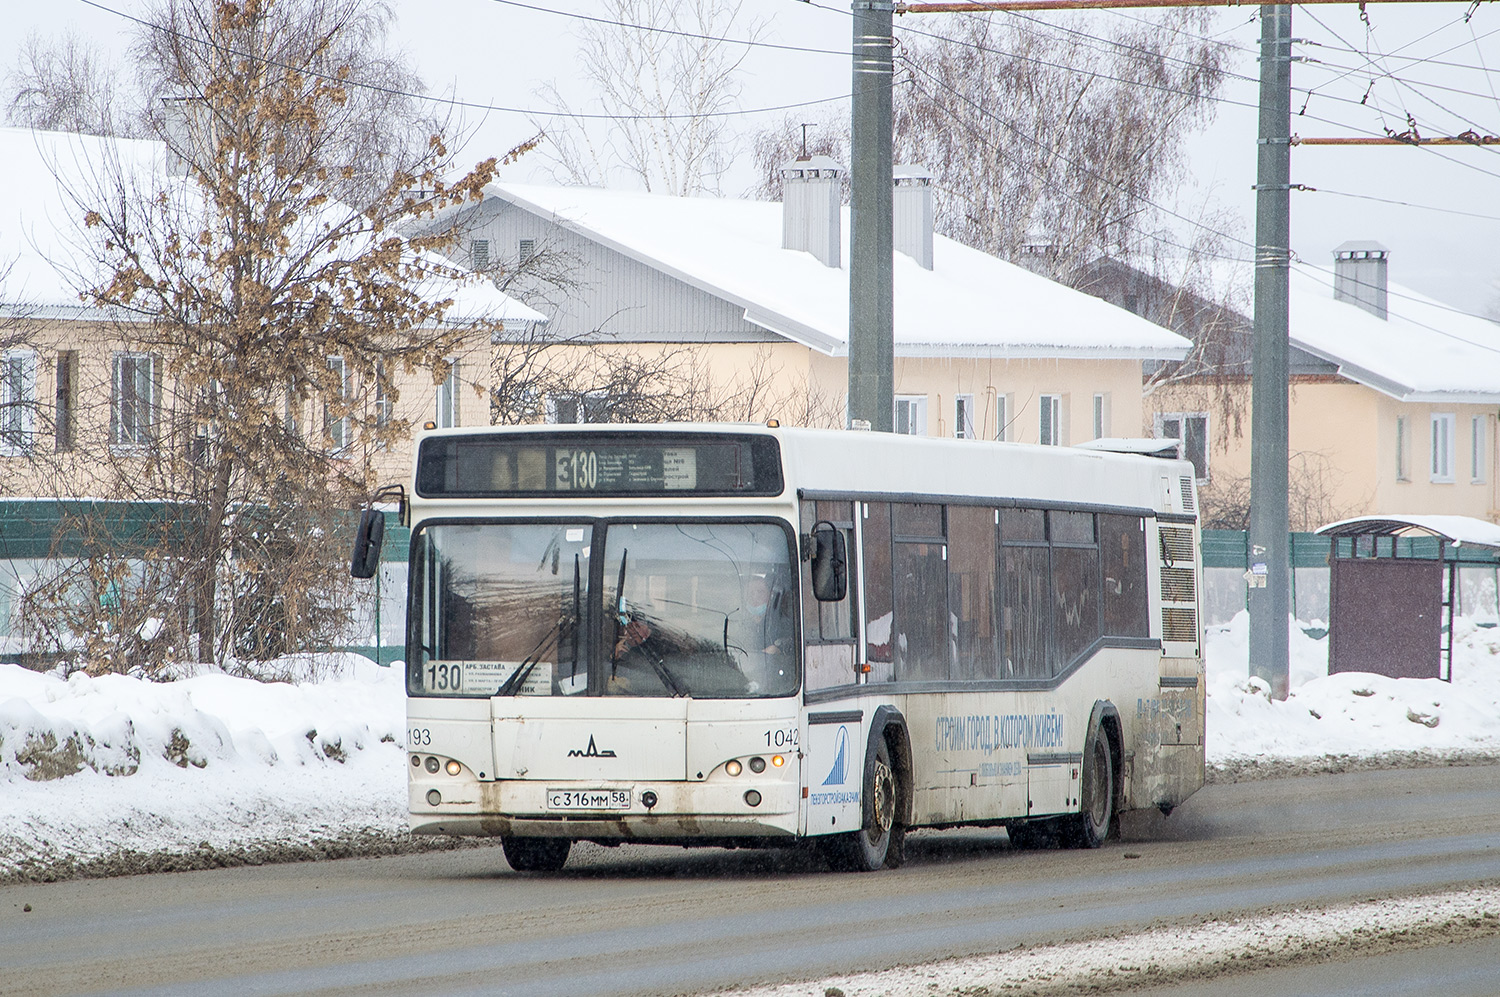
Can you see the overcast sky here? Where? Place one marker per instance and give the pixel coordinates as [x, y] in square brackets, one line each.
[1419, 59]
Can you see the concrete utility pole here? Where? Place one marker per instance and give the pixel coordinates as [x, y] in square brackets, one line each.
[872, 361]
[1270, 571]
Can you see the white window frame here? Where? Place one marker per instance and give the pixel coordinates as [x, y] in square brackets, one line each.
[1403, 449]
[1049, 428]
[17, 401]
[140, 432]
[1477, 451]
[449, 393]
[963, 417]
[384, 406]
[1161, 432]
[911, 412]
[337, 429]
[1002, 416]
[1441, 465]
[1101, 414]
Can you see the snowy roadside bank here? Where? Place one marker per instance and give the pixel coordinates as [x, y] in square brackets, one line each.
[114, 775]
[1179, 954]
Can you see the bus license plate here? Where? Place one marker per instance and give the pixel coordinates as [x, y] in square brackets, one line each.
[588, 799]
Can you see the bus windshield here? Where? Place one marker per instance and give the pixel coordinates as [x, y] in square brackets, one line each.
[701, 609]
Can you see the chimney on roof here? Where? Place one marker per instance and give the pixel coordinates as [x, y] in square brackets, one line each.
[1359, 275]
[810, 198]
[912, 214]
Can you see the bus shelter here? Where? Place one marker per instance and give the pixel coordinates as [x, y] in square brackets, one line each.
[1393, 590]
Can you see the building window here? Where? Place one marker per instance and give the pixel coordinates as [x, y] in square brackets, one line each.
[1191, 429]
[1442, 446]
[1002, 417]
[65, 411]
[963, 417]
[1476, 449]
[133, 400]
[1403, 450]
[479, 253]
[335, 418]
[525, 250]
[383, 403]
[447, 398]
[293, 419]
[1049, 423]
[591, 406]
[911, 415]
[1101, 416]
[17, 400]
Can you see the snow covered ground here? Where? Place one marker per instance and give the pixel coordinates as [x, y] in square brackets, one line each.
[116, 774]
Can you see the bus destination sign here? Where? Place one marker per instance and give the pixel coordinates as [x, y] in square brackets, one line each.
[603, 463]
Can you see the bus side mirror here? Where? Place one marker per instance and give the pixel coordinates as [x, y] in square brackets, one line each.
[830, 564]
[365, 560]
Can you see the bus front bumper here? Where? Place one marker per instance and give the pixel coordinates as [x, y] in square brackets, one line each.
[682, 811]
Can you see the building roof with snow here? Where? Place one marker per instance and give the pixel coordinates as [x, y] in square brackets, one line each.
[1422, 351]
[967, 304]
[46, 258]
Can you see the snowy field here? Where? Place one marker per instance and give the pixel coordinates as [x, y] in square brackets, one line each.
[116, 774]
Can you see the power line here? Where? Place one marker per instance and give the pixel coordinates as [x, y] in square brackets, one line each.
[749, 42]
[473, 105]
[1404, 204]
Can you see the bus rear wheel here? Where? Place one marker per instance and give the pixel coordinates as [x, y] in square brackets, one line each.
[881, 840]
[536, 854]
[1090, 826]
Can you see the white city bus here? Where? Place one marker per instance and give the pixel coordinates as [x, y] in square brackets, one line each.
[745, 635]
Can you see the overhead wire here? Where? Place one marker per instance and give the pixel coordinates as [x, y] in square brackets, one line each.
[476, 105]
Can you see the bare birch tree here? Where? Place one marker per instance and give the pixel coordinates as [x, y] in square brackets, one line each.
[66, 84]
[666, 93]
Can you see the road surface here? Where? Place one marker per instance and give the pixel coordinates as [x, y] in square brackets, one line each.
[651, 920]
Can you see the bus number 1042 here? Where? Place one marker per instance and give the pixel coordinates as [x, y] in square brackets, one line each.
[784, 738]
[580, 469]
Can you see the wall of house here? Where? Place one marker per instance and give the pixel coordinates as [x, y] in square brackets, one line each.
[1017, 386]
[599, 292]
[93, 466]
[1342, 442]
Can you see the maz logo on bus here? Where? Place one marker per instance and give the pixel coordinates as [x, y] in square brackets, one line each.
[591, 751]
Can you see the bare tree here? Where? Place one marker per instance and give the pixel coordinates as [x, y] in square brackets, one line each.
[65, 84]
[667, 76]
[772, 148]
[1037, 134]
[244, 294]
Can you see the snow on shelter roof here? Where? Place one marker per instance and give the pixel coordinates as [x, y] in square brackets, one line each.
[45, 258]
[1455, 529]
[969, 304]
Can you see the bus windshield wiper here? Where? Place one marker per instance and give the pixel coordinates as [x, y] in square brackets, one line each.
[513, 682]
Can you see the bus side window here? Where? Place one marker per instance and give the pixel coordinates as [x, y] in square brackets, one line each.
[1075, 586]
[828, 627]
[1026, 620]
[879, 608]
[1122, 550]
[923, 624]
[971, 591]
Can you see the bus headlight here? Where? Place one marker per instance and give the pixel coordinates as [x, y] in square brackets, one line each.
[753, 798]
[434, 797]
[733, 767]
[454, 768]
[433, 765]
[757, 765]
[777, 761]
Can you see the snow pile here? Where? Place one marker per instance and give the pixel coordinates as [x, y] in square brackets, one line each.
[1180, 953]
[1350, 713]
[121, 774]
[98, 768]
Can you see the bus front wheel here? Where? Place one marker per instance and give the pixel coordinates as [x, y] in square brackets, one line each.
[881, 841]
[536, 854]
[1090, 826]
